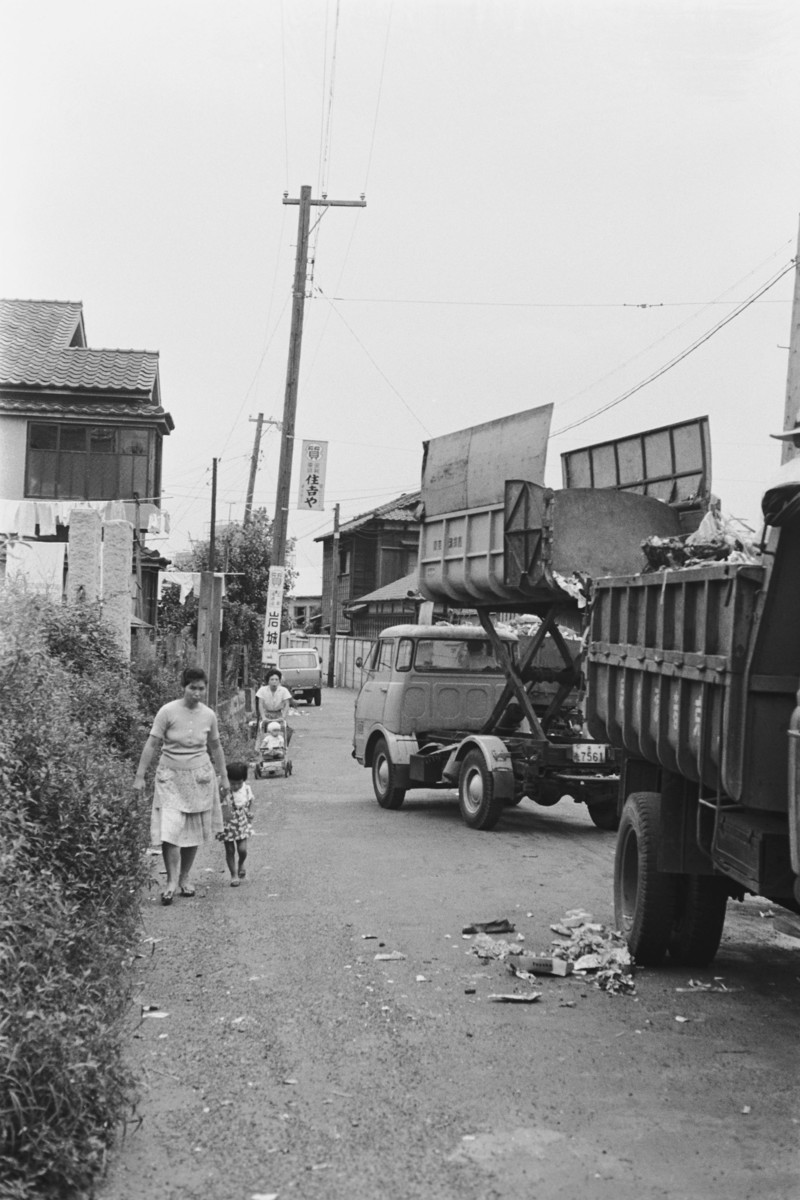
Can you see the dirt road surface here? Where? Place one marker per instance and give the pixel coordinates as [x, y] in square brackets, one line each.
[291, 1063]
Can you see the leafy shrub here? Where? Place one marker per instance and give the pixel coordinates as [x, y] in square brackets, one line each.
[71, 869]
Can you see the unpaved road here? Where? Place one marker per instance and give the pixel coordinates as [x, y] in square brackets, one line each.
[293, 1064]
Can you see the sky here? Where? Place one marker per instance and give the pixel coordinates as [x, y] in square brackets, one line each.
[562, 196]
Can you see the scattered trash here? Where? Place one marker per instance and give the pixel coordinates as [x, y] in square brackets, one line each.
[697, 985]
[369, 937]
[682, 1020]
[746, 1109]
[262, 1195]
[152, 1010]
[487, 947]
[393, 956]
[592, 948]
[716, 539]
[422, 979]
[501, 925]
[540, 964]
[470, 991]
[515, 997]
[289, 1081]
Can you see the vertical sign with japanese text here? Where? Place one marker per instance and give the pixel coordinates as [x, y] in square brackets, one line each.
[272, 620]
[312, 475]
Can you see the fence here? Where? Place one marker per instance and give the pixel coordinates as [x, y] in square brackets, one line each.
[345, 672]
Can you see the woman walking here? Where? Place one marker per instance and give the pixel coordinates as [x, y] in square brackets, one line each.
[186, 800]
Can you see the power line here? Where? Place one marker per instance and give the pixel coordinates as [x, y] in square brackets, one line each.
[546, 303]
[383, 376]
[673, 362]
[380, 92]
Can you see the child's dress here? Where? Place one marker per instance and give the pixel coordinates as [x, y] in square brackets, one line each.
[238, 827]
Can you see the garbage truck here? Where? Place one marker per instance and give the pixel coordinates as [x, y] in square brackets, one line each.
[693, 675]
[472, 705]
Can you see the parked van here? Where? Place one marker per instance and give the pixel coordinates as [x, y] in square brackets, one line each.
[302, 673]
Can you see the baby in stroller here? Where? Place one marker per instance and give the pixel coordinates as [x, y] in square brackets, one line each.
[272, 751]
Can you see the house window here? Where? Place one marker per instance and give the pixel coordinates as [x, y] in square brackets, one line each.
[344, 562]
[90, 462]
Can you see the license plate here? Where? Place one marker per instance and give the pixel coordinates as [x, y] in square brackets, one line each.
[589, 752]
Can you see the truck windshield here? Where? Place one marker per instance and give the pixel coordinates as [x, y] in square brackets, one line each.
[453, 655]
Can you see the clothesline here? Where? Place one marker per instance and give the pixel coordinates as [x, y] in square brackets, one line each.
[23, 516]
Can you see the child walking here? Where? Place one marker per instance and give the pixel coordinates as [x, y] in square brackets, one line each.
[237, 828]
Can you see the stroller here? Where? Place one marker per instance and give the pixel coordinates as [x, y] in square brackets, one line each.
[273, 758]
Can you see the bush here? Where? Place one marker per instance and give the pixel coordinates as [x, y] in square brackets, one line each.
[71, 866]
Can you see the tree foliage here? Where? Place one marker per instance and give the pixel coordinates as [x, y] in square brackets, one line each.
[244, 552]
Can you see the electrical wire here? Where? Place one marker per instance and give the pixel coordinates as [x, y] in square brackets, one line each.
[673, 362]
[383, 376]
[285, 105]
[380, 92]
[543, 303]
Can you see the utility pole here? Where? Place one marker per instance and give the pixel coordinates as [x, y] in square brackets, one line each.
[251, 483]
[792, 407]
[334, 597]
[293, 368]
[212, 541]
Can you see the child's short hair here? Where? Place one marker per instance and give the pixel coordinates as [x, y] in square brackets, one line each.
[237, 772]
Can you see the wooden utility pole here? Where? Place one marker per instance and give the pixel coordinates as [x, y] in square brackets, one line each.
[334, 598]
[293, 368]
[791, 410]
[212, 541]
[251, 483]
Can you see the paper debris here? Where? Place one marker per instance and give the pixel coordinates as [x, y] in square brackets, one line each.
[487, 947]
[500, 925]
[591, 948]
[392, 956]
[515, 998]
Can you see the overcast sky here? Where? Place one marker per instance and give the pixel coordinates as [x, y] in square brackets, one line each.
[536, 171]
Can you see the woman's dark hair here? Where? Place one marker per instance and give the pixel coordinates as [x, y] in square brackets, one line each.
[273, 671]
[190, 674]
[237, 771]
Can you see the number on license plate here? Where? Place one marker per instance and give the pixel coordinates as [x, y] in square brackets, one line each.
[589, 752]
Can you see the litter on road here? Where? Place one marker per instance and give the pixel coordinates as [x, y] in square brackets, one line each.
[594, 949]
[515, 998]
[393, 956]
[501, 925]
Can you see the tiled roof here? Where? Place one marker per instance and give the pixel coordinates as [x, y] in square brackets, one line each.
[82, 408]
[402, 508]
[42, 346]
[406, 588]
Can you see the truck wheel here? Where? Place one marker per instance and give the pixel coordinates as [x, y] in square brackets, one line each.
[316, 696]
[480, 808]
[699, 917]
[384, 778]
[645, 899]
[604, 815]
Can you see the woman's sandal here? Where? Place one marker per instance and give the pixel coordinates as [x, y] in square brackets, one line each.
[167, 896]
[242, 873]
[186, 890]
[235, 883]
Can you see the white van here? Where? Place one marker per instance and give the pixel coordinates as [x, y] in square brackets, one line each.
[301, 670]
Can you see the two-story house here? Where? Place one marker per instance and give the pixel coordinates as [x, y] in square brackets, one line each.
[78, 427]
[374, 549]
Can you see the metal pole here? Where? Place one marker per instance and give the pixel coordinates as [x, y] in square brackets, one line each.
[792, 406]
[334, 598]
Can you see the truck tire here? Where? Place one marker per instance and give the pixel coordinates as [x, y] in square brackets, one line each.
[480, 808]
[645, 899]
[384, 778]
[699, 918]
[316, 696]
[604, 815]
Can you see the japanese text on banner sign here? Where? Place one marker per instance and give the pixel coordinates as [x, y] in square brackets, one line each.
[272, 620]
[313, 461]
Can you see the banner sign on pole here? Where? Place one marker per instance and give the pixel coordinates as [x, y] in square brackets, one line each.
[272, 620]
[312, 475]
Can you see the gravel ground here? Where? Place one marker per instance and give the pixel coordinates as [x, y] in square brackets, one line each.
[292, 1063]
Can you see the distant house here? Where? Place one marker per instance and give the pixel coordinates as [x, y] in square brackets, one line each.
[79, 427]
[396, 603]
[375, 549]
[305, 612]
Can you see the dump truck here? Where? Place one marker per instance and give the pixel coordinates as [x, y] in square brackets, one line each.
[693, 675]
[475, 706]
